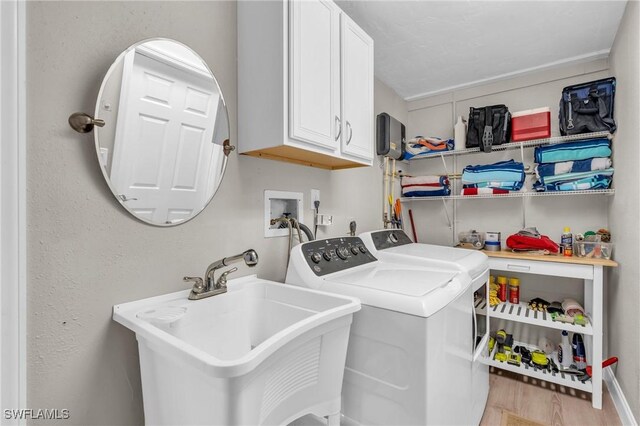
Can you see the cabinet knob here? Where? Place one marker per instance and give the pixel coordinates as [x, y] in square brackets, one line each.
[350, 132]
[339, 127]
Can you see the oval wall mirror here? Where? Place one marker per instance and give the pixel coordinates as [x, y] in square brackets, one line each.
[163, 149]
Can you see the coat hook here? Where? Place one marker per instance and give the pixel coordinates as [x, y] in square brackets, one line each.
[83, 123]
[227, 147]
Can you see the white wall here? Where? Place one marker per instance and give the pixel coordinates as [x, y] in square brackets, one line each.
[624, 217]
[85, 253]
[435, 117]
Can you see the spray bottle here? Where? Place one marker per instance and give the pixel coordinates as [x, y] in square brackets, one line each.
[565, 354]
[579, 353]
[566, 241]
[460, 135]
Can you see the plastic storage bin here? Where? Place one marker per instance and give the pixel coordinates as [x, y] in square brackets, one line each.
[471, 240]
[594, 250]
[531, 124]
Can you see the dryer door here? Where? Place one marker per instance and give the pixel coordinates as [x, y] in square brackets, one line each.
[480, 323]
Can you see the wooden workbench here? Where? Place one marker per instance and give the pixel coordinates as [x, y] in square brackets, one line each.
[508, 254]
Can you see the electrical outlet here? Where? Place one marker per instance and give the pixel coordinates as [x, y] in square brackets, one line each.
[324, 220]
[315, 196]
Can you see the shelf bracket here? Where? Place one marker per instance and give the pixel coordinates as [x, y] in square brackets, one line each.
[444, 163]
[446, 212]
[524, 201]
[444, 203]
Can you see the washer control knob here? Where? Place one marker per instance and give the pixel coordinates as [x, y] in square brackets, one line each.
[316, 257]
[355, 250]
[327, 255]
[362, 249]
[342, 253]
[393, 238]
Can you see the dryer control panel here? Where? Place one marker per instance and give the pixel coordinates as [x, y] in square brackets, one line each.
[335, 254]
[390, 238]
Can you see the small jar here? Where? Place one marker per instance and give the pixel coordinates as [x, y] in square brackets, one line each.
[514, 290]
[502, 288]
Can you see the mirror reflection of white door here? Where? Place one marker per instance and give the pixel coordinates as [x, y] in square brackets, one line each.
[163, 151]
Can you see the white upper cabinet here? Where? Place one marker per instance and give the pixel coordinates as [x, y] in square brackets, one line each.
[305, 84]
[314, 79]
[357, 90]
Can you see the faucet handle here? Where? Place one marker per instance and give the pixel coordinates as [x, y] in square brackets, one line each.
[222, 281]
[198, 284]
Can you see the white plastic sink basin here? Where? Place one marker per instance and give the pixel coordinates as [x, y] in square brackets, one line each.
[262, 353]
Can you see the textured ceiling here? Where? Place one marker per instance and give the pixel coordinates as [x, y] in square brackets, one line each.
[425, 47]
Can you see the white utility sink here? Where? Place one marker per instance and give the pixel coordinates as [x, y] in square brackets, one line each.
[262, 353]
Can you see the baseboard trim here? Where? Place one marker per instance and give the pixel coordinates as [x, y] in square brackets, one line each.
[620, 402]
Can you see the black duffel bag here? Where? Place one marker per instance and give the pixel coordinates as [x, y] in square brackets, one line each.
[588, 107]
[488, 126]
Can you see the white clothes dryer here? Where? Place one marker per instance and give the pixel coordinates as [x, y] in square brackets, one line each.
[394, 245]
[409, 359]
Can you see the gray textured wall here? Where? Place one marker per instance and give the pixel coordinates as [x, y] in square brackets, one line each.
[624, 283]
[85, 253]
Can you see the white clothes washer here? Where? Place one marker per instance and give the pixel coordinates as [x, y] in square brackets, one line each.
[409, 360]
[395, 246]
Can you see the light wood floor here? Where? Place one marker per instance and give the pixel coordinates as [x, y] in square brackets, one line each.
[544, 402]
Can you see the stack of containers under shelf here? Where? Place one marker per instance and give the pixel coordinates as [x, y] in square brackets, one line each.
[577, 166]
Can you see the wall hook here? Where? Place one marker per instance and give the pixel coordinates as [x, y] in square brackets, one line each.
[83, 123]
[227, 147]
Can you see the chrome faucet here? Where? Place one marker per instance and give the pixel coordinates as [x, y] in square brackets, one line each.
[209, 286]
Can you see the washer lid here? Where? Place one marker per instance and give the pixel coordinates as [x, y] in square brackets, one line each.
[405, 280]
[394, 245]
[472, 261]
[403, 288]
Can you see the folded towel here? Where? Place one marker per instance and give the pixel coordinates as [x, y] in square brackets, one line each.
[428, 140]
[524, 241]
[590, 164]
[573, 151]
[424, 180]
[594, 182]
[570, 177]
[510, 186]
[483, 191]
[503, 171]
[419, 146]
[426, 191]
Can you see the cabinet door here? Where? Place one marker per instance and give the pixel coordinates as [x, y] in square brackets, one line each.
[357, 90]
[314, 81]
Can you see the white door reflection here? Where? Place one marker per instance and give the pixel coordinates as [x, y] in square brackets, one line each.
[166, 160]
